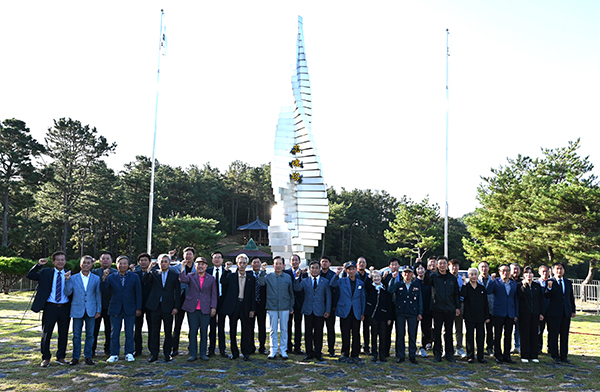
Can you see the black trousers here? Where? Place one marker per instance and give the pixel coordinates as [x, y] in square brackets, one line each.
[105, 317]
[156, 317]
[247, 341]
[426, 331]
[378, 334]
[217, 323]
[178, 323]
[473, 328]
[350, 327]
[401, 323]
[55, 315]
[313, 334]
[330, 323]
[388, 338]
[139, 324]
[295, 320]
[506, 324]
[528, 326]
[489, 336]
[559, 327]
[445, 319]
[260, 315]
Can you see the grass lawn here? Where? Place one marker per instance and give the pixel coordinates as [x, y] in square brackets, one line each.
[20, 371]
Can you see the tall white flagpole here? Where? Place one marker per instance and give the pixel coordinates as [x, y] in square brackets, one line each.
[447, 110]
[161, 52]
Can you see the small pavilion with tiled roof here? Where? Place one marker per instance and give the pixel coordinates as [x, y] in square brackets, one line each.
[256, 229]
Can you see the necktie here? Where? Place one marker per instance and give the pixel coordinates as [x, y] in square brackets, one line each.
[218, 282]
[315, 284]
[560, 281]
[256, 288]
[58, 294]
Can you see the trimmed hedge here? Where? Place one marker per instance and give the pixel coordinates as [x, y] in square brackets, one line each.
[13, 269]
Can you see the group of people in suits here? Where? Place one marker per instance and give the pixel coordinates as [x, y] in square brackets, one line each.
[432, 295]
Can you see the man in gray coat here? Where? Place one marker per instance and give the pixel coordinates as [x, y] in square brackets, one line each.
[86, 306]
[280, 304]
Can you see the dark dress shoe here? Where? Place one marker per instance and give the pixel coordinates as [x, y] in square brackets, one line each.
[498, 360]
[508, 360]
[374, 359]
[246, 358]
[153, 359]
[481, 361]
[175, 353]
[400, 360]
[192, 359]
[137, 353]
[45, 363]
[298, 352]
[413, 360]
[73, 361]
[168, 358]
[319, 358]
[62, 361]
[565, 360]
[307, 358]
[332, 355]
[263, 351]
[90, 361]
[557, 361]
[450, 358]
[437, 358]
[223, 355]
[382, 359]
[204, 358]
[210, 354]
[285, 357]
[233, 356]
[470, 360]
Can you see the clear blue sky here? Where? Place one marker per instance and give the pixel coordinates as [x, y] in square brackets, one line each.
[523, 75]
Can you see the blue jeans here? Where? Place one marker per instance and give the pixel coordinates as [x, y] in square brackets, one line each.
[116, 322]
[279, 321]
[89, 336]
[198, 321]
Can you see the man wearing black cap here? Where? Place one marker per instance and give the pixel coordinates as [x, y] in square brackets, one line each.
[409, 310]
[350, 309]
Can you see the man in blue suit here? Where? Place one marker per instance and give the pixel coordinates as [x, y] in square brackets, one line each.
[561, 308]
[51, 298]
[504, 314]
[350, 309]
[125, 304]
[86, 307]
[315, 308]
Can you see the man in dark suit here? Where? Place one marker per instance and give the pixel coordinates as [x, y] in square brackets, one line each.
[218, 321]
[260, 313]
[394, 266]
[163, 303]
[125, 304]
[188, 260]
[315, 308]
[505, 312]
[350, 309]
[330, 321]
[51, 298]
[295, 320]
[561, 309]
[239, 304]
[105, 264]
[144, 260]
[86, 305]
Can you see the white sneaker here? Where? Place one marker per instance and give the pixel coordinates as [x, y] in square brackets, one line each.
[461, 352]
[129, 358]
[423, 353]
[524, 360]
[535, 360]
[112, 359]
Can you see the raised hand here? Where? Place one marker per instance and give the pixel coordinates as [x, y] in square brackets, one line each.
[42, 261]
[67, 276]
[263, 266]
[549, 283]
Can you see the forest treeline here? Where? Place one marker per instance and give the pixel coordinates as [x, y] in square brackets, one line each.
[533, 211]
